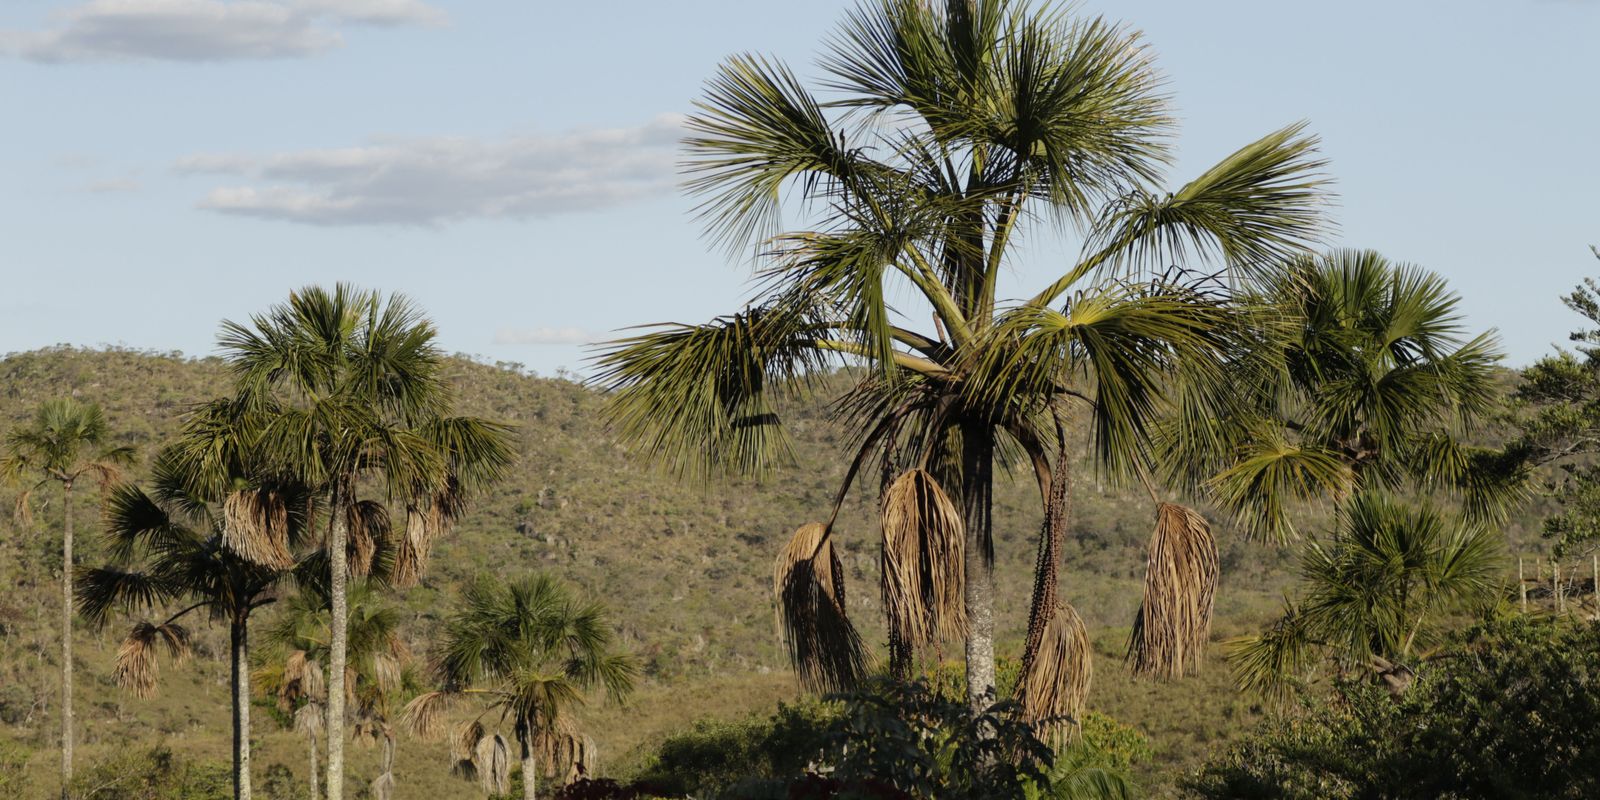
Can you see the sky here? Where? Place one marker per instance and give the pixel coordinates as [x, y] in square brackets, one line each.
[168, 164]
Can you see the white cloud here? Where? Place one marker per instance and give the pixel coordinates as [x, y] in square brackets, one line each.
[437, 180]
[544, 336]
[206, 30]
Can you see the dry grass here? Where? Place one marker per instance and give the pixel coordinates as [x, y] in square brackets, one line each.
[1169, 635]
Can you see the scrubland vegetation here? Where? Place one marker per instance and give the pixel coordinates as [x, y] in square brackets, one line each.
[1211, 511]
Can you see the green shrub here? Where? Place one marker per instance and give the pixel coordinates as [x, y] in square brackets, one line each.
[154, 774]
[1508, 712]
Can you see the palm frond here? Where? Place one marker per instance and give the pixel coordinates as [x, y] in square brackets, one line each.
[923, 560]
[1174, 623]
[808, 582]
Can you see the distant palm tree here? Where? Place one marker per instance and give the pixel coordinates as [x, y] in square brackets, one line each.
[65, 442]
[1379, 589]
[530, 651]
[376, 680]
[346, 391]
[951, 131]
[1371, 384]
[170, 550]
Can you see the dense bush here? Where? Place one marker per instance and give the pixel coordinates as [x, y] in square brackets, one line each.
[1507, 712]
[154, 774]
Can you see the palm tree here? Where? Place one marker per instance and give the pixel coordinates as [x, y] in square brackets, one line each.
[346, 391]
[530, 651]
[1376, 593]
[1364, 381]
[952, 130]
[170, 550]
[65, 442]
[376, 680]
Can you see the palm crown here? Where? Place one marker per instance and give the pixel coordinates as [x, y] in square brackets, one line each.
[948, 132]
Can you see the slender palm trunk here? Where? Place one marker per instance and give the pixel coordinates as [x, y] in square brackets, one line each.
[241, 710]
[530, 768]
[311, 739]
[977, 485]
[338, 584]
[66, 640]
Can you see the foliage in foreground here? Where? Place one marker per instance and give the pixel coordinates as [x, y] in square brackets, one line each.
[1509, 714]
[891, 740]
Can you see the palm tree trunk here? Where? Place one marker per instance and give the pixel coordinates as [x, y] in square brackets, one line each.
[338, 585]
[241, 710]
[311, 737]
[530, 768]
[66, 640]
[977, 488]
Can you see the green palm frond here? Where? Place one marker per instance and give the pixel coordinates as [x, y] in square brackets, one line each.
[1271, 474]
[701, 399]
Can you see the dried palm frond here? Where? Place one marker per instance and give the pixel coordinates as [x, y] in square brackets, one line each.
[493, 760]
[808, 581]
[386, 670]
[465, 739]
[1056, 685]
[308, 719]
[313, 682]
[136, 666]
[426, 713]
[412, 549]
[368, 531]
[256, 526]
[1170, 633]
[923, 560]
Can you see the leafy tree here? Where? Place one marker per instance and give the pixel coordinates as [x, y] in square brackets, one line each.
[1380, 590]
[1509, 714]
[530, 651]
[377, 679]
[344, 390]
[952, 131]
[1362, 379]
[65, 442]
[169, 549]
[1559, 405]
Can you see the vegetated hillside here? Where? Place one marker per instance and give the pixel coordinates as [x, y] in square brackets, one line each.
[685, 568]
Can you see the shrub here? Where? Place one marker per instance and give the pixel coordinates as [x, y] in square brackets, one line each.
[1507, 712]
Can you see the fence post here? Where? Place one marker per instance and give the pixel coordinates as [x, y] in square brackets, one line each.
[1522, 586]
[1555, 581]
[1595, 587]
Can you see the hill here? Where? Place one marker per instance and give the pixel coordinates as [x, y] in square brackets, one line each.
[685, 569]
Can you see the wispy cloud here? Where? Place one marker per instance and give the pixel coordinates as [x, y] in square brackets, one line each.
[544, 336]
[438, 180]
[207, 30]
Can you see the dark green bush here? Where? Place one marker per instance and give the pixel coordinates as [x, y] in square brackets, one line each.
[1508, 712]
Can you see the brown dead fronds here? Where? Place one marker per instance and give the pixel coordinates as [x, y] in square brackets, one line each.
[808, 581]
[1170, 633]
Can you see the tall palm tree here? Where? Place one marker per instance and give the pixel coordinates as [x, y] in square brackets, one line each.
[530, 651]
[170, 551]
[66, 441]
[1378, 590]
[346, 390]
[375, 681]
[1365, 380]
[950, 132]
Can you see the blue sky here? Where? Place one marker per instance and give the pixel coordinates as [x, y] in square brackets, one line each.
[170, 163]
